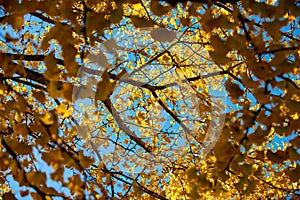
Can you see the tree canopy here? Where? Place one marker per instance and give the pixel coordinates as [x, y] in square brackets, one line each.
[137, 99]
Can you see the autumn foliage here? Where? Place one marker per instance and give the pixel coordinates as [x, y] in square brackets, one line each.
[138, 99]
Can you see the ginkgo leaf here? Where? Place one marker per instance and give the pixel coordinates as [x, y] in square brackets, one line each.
[296, 141]
[52, 88]
[47, 119]
[105, 87]
[21, 128]
[185, 21]
[163, 35]
[293, 105]
[52, 72]
[54, 32]
[116, 15]
[24, 193]
[21, 148]
[63, 110]
[223, 150]
[39, 95]
[158, 9]
[194, 192]
[85, 161]
[16, 21]
[140, 22]
[20, 104]
[36, 178]
[9, 196]
[219, 58]
[278, 156]
[67, 91]
[69, 54]
[258, 137]
[192, 173]
[294, 174]
[234, 89]
[293, 154]
[58, 174]
[274, 25]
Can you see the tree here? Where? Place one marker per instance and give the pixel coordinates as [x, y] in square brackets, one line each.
[144, 99]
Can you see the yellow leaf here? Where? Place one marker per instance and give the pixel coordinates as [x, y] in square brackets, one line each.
[234, 89]
[163, 35]
[85, 161]
[21, 128]
[185, 21]
[8, 196]
[278, 157]
[293, 105]
[191, 173]
[104, 87]
[294, 174]
[47, 119]
[52, 72]
[67, 91]
[39, 95]
[140, 22]
[52, 88]
[296, 141]
[258, 137]
[21, 148]
[116, 15]
[223, 150]
[63, 110]
[20, 104]
[17, 22]
[36, 178]
[293, 154]
[58, 174]
[219, 58]
[159, 9]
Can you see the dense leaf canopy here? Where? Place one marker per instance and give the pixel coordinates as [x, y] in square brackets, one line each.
[137, 99]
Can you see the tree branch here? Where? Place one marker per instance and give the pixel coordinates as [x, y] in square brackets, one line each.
[124, 128]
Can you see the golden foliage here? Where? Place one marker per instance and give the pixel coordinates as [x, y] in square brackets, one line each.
[153, 71]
